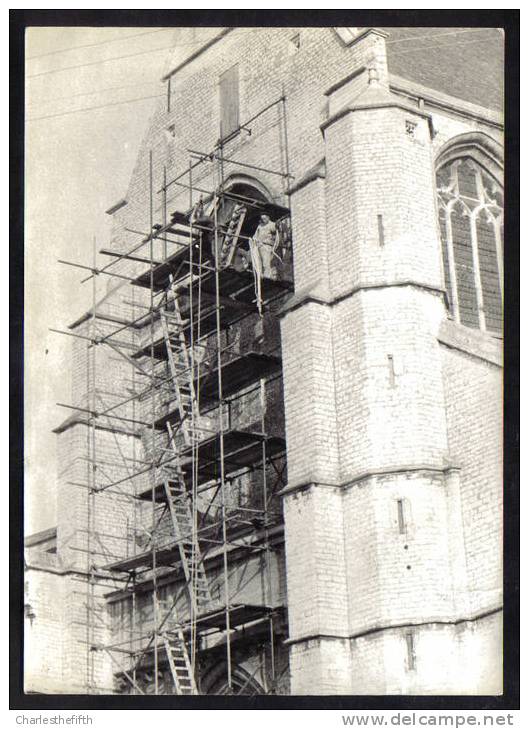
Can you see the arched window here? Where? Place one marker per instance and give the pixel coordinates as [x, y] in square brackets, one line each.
[243, 683]
[470, 202]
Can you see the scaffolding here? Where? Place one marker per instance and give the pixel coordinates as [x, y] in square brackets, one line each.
[195, 275]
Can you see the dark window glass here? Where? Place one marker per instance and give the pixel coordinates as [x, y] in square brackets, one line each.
[466, 286]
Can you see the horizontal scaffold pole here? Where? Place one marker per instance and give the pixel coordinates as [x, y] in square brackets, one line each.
[72, 334]
[95, 271]
[135, 248]
[218, 157]
[95, 414]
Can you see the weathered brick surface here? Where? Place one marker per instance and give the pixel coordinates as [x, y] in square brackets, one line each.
[379, 663]
[322, 662]
[399, 577]
[56, 636]
[311, 269]
[309, 396]
[373, 145]
[43, 634]
[317, 590]
[389, 413]
[474, 414]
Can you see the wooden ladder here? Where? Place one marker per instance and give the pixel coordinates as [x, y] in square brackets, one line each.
[229, 243]
[180, 369]
[188, 544]
[176, 650]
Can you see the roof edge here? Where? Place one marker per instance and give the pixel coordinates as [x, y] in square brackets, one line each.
[38, 537]
[446, 101]
[198, 52]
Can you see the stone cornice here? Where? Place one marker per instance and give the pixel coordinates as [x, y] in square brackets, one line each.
[469, 618]
[117, 206]
[315, 173]
[306, 297]
[429, 468]
[82, 418]
[472, 342]
[390, 103]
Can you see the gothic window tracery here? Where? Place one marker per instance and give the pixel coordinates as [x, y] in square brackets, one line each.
[470, 203]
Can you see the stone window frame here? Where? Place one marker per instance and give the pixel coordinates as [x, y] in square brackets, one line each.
[487, 157]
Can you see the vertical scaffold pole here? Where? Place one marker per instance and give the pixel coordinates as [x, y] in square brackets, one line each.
[272, 656]
[194, 506]
[164, 210]
[221, 448]
[91, 384]
[133, 640]
[285, 135]
[191, 186]
[153, 433]
[268, 597]
[88, 513]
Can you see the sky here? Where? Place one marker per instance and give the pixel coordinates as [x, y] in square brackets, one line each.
[78, 162]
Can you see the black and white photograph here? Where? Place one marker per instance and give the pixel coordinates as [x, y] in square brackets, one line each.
[263, 414]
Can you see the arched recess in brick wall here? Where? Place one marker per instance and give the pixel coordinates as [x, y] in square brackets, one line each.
[254, 187]
[469, 178]
[242, 191]
[216, 682]
[250, 198]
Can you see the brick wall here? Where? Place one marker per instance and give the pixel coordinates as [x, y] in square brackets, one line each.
[474, 416]
[309, 396]
[43, 634]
